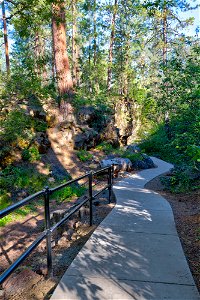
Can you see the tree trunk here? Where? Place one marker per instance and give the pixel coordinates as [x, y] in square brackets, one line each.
[5, 35]
[110, 55]
[63, 73]
[95, 33]
[164, 29]
[37, 49]
[75, 48]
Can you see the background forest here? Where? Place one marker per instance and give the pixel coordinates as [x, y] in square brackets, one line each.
[97, 74]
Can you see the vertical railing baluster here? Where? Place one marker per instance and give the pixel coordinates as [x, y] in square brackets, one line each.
[90, 198]
[48, 226]
[109, 183]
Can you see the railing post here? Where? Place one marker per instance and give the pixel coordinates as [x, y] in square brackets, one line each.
[109, 183]
[47, 227]
[90, 198]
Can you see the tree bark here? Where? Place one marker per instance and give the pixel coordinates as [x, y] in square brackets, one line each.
[110, 55]
[75, 48]
[164, 29]
[63, 73]
[95, 33]
[5, 35]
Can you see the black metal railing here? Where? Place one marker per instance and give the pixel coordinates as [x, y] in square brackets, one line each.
[49, 229]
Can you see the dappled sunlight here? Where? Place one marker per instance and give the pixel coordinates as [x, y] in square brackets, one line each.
[134, 254]
[134, 211]
[134, 189]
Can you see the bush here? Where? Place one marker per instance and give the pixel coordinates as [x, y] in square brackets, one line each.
[181, 180]
[83, 155]
[31, 154]
[106, 147]
[69, 192]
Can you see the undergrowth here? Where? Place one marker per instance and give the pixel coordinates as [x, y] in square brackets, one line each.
[14, 180]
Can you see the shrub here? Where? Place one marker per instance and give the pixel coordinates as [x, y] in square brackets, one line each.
[83, 155]
[106, 147]
[31, 154]
[180, 180]
[69, 192]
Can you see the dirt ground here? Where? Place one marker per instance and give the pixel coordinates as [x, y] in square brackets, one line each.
[16, 237]
[186, 209]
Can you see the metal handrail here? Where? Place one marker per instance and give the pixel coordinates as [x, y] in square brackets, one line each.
[48, 228]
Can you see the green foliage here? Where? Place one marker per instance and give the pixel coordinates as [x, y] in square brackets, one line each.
[22, 178]
[84, 155]
[181, 180]
[69, 192]
[106, 147]
[5, 201]
[31, 154]
[15, 125]
[132, 156]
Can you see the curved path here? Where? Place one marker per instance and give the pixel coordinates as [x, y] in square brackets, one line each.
[135, 253]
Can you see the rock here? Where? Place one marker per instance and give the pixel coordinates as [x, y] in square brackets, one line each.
[148, 161]
[93, 166]
[42, 142]
[124, 119]
[37, 112]
[110, 134]
[70, 233]
[133, 148]
[86, 140]
[123, 164]
[78, 224]
[144, 163]
[43, 271]
[51, 120]
[56, 216]
[86, 115]
[72, 223]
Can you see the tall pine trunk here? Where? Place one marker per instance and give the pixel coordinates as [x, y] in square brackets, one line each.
[164, 36]
[5, 35]
[95, 33]
[110, 55]
[75, 48]
[61, 61]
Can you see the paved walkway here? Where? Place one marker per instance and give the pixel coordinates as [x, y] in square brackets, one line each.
[135, 253]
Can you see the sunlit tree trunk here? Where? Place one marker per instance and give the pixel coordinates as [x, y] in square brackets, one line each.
[164, 36]
[95, 33]
[75, 48]
[5, 35]
[63, 73]
[110, 55]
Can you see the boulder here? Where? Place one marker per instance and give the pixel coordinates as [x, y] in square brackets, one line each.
[37, 112]
[86, 115]
[87, 139]
[110, 134]
[42, 142]
[133, 148]
[124, 119]
[144, 163]
[121, 164]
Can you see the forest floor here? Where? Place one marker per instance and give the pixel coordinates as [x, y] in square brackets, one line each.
[20, 235]
[186, 210]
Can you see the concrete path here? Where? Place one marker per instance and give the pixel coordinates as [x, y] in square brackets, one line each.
[135, 253]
